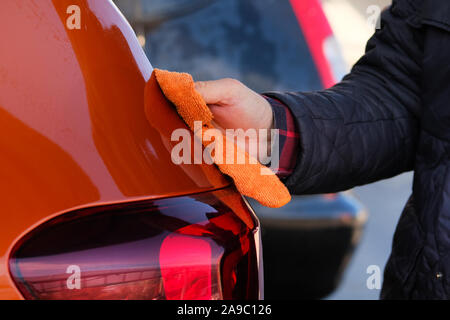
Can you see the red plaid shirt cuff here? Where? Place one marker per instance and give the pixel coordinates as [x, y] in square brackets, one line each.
[289, 137]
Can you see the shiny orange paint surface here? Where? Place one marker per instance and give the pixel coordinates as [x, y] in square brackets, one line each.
[72, 127]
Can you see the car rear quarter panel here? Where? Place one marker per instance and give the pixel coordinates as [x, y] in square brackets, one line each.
[73, 132]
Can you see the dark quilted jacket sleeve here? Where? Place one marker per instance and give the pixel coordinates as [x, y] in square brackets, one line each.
[365, 128]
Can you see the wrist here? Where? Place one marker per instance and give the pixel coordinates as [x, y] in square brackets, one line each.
[288, 137]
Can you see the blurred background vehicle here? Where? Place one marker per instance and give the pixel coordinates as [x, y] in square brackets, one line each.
[268, 45]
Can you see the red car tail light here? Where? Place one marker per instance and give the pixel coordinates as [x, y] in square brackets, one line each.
[203, 246]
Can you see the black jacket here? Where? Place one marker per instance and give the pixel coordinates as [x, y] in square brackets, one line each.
[391, 114]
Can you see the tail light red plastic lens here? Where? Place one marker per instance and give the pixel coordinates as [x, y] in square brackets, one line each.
[195, 247]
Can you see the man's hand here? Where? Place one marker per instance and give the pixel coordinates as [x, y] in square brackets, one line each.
[235, 106]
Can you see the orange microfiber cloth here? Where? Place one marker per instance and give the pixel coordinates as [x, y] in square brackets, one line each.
[266, 188]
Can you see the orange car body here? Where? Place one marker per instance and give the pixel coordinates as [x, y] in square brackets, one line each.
[73, 133]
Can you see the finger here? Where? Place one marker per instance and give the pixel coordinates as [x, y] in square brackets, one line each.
[216, 92]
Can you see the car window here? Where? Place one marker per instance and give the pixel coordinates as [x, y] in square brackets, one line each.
[256, 41]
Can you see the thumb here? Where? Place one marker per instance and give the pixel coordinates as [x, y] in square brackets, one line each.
[216, 92]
